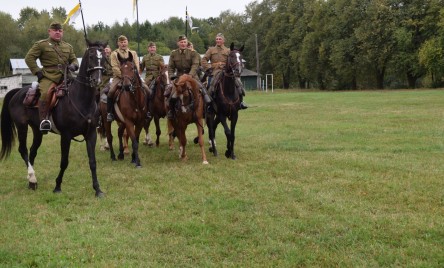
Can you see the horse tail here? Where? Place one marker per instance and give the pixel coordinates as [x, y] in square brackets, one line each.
[7, 126]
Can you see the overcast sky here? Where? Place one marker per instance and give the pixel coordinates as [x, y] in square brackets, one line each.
[110, 11]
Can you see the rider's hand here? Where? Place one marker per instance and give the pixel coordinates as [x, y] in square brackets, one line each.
[39, 75]
[73, 67]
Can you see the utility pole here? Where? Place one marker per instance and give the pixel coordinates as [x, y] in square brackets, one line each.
[258, 84]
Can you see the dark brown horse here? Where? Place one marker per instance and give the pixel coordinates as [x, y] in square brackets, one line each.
[156, 103]
[130, 109]
[189, 109]
[227, 101]
[74, 115]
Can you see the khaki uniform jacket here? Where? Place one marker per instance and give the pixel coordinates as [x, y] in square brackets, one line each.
[115, 64]
[152, 63]
[107, 74]
[183, 62]
[216, 58]
[52, 56]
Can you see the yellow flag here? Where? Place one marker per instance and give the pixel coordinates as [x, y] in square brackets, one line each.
[72, 15]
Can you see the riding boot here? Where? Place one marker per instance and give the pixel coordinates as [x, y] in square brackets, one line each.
[205, 95]
[45, 124]
[243, 105]
[171, 107]
[109, 109]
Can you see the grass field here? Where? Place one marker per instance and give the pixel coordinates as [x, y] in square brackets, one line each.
[323, 179]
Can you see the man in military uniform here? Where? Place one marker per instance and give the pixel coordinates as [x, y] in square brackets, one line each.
[183, 61]
[54, 55]
[123, 51]
[108, 72]
[151, 62]
[215, 59]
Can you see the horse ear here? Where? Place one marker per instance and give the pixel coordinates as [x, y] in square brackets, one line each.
[241, 49]
[232, 46]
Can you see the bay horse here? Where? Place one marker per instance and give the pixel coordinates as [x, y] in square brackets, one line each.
[130, 109]
[156, 103]
[189, 109]
[75, 114]
[227, 102]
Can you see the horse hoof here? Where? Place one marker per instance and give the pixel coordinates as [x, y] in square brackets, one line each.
[57, 191]
[211, 149]
[138, 166]
[205, 162]
[100, 194]
[196, 140]
[32, 185]
[227, 154]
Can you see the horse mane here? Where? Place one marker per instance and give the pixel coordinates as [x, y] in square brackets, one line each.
[187, 79]
[96, 43]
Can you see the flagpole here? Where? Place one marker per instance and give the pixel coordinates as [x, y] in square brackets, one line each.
[138, 38]
[186, 20]
[83, 21]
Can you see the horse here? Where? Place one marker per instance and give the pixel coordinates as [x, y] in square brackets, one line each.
[227, 102]
[156, 103]
[75, 114]
[189, 109]
[130, 108]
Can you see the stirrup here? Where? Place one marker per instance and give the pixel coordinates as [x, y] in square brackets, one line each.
[45, 126]
[243, 106]
[109, 117]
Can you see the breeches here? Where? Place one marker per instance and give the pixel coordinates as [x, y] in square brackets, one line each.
[44, 85]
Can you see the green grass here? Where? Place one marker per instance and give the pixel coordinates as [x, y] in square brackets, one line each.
[342, 179]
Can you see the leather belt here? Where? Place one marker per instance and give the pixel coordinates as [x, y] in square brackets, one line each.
[55, 67]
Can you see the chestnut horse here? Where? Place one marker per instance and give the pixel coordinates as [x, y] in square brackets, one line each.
[156, 103]
[130, 110]
[227, 101]
[189, 109]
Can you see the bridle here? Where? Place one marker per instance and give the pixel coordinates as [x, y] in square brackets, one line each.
[94, 68]
[132, 79]
[233, 68]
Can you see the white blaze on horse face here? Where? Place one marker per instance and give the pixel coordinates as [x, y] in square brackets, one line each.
[184, 110]
[167, 77]
[239, 61]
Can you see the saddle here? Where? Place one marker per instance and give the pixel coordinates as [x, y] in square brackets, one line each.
[55, 92]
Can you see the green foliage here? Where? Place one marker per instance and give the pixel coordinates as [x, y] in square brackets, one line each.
[332, 44]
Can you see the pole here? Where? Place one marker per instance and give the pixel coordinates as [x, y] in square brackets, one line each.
[258, 79]
[138, 38]
[83, 21]
[186, 20]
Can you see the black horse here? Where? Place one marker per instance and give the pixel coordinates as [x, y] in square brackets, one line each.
[227, 101]
[75, 114]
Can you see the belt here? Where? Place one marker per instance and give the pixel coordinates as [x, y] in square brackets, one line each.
[56, 67]
[218, 64]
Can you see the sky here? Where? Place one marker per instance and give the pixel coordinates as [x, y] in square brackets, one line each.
[110, 11]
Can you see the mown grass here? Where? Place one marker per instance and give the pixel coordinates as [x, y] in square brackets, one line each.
[322, 179]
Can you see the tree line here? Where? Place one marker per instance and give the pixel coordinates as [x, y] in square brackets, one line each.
[324, 44]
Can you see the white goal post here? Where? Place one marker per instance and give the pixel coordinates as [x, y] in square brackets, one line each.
[266, 83]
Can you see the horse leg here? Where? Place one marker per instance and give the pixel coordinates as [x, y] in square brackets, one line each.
[109, 139]
[199, 125]
[158, 131]
[135, 145]
[223, 121]
[120, 131]
[233, 136]
[182, 142]
[91, 139]
[36, 142]
[170, 135]
[125, 142]
[65, 144]
[147, 141]
[211, 123]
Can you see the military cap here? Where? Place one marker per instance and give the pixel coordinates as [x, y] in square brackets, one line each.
[220, 35]
[182, 37]
[55, 26]
[151, 44]
[122, 38]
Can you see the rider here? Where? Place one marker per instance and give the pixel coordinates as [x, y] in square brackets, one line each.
[182, 61]
[123, 51]
[152, 62]
[54, 55]
[215, 59]
[107, 73]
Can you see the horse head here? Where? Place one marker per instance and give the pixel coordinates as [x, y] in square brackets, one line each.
[93, 63]
[234, 62]
[163, 77]
[128, 71]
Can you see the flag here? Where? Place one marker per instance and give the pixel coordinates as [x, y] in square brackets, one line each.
[72, 15]
[134, 6]
[190, 21]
